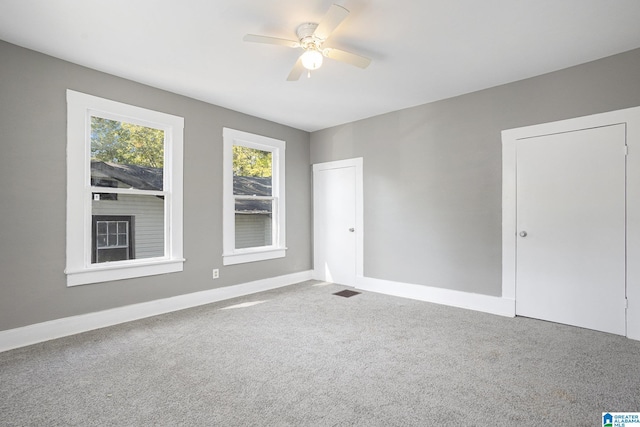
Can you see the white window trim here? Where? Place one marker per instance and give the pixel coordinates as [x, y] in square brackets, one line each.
[79, 269]
[230, 254]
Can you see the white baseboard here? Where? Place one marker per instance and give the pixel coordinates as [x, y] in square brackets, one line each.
[39, 332]
[478, 302]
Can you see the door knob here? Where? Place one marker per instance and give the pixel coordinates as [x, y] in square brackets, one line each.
[352, 229]
[523, 234]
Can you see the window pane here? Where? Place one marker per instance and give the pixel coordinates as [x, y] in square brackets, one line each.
[125, 155]
[113, 237]
[253, 223]
[102, 228]
[123, 233]
[252, 171]
[134, 221]
[112, 254]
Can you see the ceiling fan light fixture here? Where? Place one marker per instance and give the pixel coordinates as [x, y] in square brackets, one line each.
[311, 59]
[311, 38]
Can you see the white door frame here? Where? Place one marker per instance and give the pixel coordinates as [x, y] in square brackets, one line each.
[630, 117]
[357, 163]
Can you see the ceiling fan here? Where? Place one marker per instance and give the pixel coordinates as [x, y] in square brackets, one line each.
[311, 37]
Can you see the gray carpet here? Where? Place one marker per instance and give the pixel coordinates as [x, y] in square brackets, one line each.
[301, 356]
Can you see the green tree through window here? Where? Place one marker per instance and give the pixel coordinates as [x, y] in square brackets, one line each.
[126, 143]
[251, 162]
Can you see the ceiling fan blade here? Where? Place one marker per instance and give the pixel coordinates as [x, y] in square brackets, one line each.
[270, 40]
[296, 71]
[347, 57]
[330, 22]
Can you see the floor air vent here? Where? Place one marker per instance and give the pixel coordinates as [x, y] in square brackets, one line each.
[347, 293]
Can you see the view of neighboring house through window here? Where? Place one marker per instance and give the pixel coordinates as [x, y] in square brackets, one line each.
[253, 195]
[124, 190]
[254, 213]
[127, 162]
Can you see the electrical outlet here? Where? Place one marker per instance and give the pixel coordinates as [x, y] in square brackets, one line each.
[216, 273]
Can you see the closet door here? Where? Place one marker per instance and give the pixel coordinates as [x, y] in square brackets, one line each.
[570, 220]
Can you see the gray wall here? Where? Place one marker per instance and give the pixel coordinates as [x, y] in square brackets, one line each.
[432, 173]
[33, 174]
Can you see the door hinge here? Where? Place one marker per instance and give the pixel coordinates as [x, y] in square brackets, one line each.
[626, 150]
[626, 303]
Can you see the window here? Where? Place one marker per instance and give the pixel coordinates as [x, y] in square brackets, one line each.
[254, 202]
[112, 238]
[124, 191]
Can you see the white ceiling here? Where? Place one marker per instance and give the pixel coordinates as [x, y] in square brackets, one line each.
[422, 50]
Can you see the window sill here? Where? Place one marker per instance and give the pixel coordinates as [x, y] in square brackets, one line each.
[118, 271]
[253, 255]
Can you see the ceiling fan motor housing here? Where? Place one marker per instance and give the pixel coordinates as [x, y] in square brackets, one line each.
[306, 36]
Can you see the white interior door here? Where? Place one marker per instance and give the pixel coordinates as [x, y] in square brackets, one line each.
[336, 228]
[571, 253]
